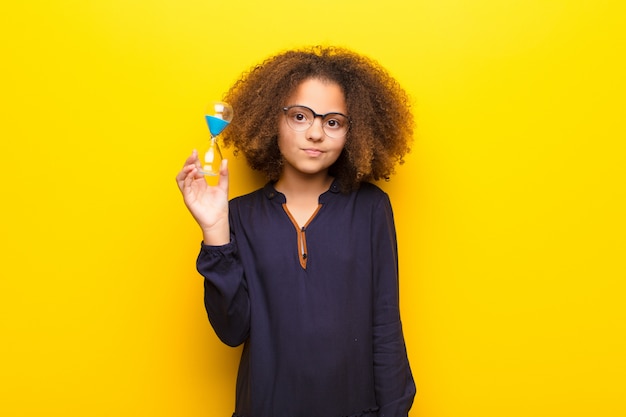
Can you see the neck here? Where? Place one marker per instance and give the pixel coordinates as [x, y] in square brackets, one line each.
[303, 186]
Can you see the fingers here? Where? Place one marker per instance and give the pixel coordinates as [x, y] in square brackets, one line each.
[191, 171]
[222, 181]
[192, 158]
[191, 163]
[195, 160]
[183, 175]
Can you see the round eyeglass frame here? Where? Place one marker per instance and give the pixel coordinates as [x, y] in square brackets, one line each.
[325, 117]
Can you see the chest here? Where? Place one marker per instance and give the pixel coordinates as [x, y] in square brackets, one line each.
[301, 214]
[333, 238]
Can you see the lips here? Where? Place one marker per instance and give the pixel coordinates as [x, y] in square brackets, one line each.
[312, 152]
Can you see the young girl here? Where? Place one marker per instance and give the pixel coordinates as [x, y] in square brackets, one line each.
[304, 271]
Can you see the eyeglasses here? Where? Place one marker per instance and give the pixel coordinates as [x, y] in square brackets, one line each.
[300, 118]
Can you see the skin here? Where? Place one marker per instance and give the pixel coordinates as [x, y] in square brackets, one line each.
[307, 157]
[309, 154]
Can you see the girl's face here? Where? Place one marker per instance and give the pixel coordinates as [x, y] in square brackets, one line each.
[309, 150]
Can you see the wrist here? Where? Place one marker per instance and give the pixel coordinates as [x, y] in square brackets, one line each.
[216, 235]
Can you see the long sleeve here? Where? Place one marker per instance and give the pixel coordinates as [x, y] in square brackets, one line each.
[322, 340]
[225, 292]
[394, 384]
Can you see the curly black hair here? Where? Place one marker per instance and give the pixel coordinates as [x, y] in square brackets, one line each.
[381, 129]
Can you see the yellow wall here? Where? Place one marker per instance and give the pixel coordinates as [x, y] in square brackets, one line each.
[510, 211]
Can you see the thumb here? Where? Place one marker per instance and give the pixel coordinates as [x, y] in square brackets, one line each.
[222, 181]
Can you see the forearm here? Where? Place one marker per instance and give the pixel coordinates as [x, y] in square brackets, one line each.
[225, 293]
[394, 384]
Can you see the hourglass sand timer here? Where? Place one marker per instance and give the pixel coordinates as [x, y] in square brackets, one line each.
[218, 115]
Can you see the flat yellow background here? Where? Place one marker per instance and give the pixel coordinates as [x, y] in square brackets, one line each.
[510, 209]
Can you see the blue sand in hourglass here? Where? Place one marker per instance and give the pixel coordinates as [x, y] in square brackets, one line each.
[216, 125]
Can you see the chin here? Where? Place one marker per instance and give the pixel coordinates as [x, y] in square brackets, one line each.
[313, 171]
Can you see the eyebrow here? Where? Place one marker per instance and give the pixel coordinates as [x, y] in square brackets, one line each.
[315, 114]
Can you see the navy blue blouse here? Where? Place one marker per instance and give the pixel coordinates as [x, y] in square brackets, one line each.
[317, 307]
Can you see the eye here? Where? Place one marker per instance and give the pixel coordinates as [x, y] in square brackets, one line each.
[298, 116]
[335, 123]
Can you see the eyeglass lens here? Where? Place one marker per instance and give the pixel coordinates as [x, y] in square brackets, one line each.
[300, 118]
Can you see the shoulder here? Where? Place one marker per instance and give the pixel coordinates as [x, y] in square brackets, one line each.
[367, 198]
[371, 193]
[259, 194]
[254, 195]
[257, 199]
[367, 188]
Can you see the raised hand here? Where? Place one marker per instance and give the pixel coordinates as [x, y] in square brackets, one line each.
[207, 204]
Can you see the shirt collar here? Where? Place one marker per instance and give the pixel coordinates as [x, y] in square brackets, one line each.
[270, 192]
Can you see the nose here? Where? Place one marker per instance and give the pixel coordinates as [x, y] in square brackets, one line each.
[315, 132]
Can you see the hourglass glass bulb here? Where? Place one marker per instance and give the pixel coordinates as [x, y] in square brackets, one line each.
[218, 115]
[211, 158]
